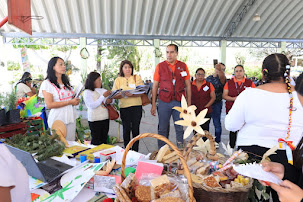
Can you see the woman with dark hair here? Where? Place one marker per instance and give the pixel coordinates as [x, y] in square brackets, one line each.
[130, 104]
[58, 96]
[24, 88]
[269, 115]
[97, 114]
[203, 95]
[289, 191]
[232, 90]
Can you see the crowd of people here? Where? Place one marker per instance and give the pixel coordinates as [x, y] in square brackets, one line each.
[258, 118]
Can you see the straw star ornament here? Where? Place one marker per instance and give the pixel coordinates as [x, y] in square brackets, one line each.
[185, 112]
[192, 121]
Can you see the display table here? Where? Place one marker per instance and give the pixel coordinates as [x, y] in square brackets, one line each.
[72, 182]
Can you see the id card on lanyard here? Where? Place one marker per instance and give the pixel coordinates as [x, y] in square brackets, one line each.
[238, 88]
[173, 76]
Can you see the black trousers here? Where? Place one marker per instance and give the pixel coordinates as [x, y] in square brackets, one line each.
[99, 131]
[232, 138]
[291, 172]
[205, 126]
[131, 118]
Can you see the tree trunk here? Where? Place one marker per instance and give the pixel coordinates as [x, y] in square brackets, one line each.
[99, 54]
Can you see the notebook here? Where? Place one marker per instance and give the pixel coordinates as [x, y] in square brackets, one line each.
[46, 171]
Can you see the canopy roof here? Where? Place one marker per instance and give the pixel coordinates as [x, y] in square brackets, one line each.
[281, 20]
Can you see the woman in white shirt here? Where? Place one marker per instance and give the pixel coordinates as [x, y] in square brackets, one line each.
[97, 114]
[288, 191]
[269, 114]
[14, 183]
[58, 96]
[23, 87]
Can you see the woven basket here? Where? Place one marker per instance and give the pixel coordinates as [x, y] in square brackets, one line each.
[164, 139]
[204, 193]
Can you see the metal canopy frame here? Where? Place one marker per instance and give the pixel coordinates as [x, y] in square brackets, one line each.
[237, 42]
[238, 18]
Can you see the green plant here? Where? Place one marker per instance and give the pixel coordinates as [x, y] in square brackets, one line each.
[13, 66]
[22, 41]
[108, 79]
[45, 146]
[119, 53]
[258, 192]
[254, 72]
[10, 101]
[80, 129]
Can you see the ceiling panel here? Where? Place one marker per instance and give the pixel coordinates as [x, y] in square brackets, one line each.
[175, 19]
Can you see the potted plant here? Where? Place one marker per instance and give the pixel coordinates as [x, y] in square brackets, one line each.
[12, 114]
[2, 111]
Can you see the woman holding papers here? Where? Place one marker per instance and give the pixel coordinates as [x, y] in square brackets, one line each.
[130, 104]
[289, 191]
[94, 97]
[58, 96]
[270, 115]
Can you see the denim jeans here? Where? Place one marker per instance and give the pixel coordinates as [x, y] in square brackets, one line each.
[216, 117]
[165, 111]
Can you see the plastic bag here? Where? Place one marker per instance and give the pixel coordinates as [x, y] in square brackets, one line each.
[166, 186]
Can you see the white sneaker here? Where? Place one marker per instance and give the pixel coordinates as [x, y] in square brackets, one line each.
[217, 145]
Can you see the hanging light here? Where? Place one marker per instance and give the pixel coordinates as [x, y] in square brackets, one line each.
[257, 17]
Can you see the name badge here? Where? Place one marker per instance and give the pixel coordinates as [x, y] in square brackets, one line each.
[183, 74]
[205, 88]
[132, 85]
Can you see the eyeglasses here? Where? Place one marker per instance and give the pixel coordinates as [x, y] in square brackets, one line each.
[200, 74]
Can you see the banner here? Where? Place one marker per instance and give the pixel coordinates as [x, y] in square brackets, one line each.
[25, 62]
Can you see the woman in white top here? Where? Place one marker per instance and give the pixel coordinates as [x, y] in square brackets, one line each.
[23, 87]
[58, 96]
[262, 115]
[97, 113]
[288, 191]
[14, 183]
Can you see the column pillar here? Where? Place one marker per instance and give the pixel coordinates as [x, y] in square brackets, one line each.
[156, 46]
[223, 44]
[283, 47]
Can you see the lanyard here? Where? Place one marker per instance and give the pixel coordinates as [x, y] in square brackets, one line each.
[238, 88]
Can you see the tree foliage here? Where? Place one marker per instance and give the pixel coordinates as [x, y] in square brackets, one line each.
[119, 53]
[240, 59]
[22, 41]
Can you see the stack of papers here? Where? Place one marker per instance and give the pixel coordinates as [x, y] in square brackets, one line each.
[112, 95]
[79, 89]
[138, 90]
[256, 171]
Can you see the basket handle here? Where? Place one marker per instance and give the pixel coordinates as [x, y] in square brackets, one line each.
[164, 139]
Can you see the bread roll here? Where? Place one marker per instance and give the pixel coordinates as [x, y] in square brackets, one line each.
[162, 152]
